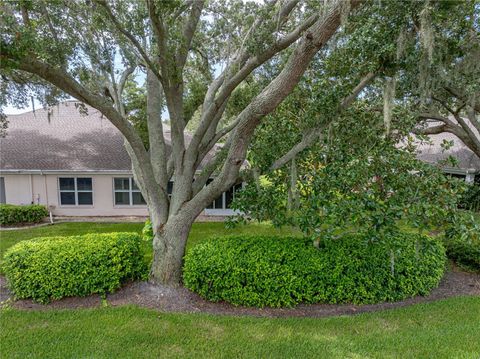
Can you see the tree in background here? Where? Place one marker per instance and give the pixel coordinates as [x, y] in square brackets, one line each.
[354, 166]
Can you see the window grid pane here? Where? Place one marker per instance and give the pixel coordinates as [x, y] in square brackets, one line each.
[122, 184]
[84, 184]
[67, 198]
[122, 198]
[137, 198]
[66, 183]
[85, 198]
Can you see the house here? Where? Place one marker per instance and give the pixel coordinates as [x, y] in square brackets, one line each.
[75, 164]
[467, 164]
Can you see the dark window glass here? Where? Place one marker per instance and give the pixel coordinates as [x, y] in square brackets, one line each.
[219, 202]
[138, 198]
[122, 198]
[67, 198]
[67, 184]
[122, 184]
[134, 185]
[211, 205]
[229, 197]
[85, 198]
[84, 184]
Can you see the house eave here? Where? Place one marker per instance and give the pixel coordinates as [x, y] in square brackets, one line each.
[64, 171]
[460, 171]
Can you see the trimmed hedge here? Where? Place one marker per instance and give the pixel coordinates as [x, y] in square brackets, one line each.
[55, 267]
[284, 271]
[12, 214]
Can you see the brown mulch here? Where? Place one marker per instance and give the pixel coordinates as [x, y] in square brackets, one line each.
[167, 299]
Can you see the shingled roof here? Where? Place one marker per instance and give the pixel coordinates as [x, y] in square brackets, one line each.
[62, 139]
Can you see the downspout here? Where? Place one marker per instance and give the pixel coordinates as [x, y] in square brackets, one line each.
[32, 200]
[46, 196]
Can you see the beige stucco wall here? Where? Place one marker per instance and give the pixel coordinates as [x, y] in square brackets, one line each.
[18, 189]
[43, 189]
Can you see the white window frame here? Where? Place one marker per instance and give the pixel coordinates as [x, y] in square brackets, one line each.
[130, 192]
[76, 191]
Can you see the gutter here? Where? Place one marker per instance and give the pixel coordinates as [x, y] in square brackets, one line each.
[42, 172]
[461, 171]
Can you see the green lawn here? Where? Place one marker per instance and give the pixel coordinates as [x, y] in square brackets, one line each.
[199, 232]
[444, 329]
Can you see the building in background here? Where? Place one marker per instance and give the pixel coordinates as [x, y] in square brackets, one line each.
[76, 165]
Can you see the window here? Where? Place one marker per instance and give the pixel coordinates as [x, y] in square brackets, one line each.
[75, 191]
[226, 198]
[127, 192]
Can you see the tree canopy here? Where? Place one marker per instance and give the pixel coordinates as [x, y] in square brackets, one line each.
[220, 69]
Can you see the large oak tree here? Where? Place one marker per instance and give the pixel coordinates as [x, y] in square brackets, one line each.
[194, 55]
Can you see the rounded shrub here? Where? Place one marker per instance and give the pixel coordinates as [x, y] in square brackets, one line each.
[55, 267]
[284, 271]
[12, 214]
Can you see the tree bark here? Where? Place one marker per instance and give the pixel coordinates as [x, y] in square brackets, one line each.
[169, 244]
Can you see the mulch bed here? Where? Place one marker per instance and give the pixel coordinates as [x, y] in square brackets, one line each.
[167, 299]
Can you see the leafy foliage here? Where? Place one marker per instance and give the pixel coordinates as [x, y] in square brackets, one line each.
[355, 178]
[284, 271]
[471, 198]
[12, 214]
[55, 267]
[147, 231]
[462, 241]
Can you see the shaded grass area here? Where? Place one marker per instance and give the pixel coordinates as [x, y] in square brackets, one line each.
[444, 329]
[200, 231]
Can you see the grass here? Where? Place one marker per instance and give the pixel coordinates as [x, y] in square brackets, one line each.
[444, 329]
[200, 231]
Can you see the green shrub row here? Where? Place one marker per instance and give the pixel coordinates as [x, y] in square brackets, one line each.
[275, 271]
[12, 214]
[55, 267]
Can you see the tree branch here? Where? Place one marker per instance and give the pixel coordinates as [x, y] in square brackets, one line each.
[264, 103]
[459, 95]
[62, 80]
[188, 32]
[315, 133]
[130, 37]
[227, 88]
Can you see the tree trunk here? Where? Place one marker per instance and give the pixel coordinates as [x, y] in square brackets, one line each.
[168, 250]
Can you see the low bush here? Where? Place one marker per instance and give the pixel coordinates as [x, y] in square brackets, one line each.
[277, 271]
[470, 200]
[12, 214]
[462, 242]
[55, 267]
